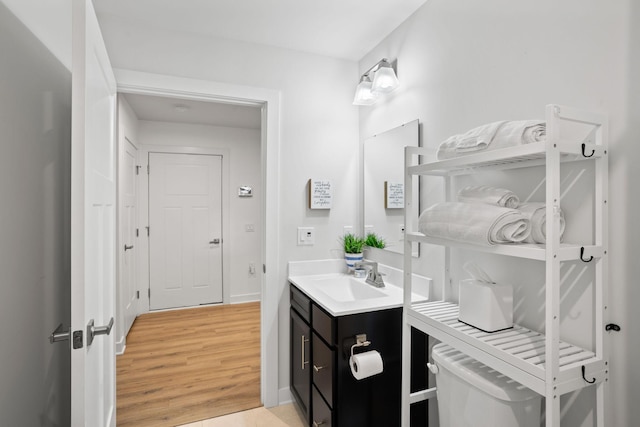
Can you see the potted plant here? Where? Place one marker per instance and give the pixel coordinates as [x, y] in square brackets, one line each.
[352, 246]
[374, 241]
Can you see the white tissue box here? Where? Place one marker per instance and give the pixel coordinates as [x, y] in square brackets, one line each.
[486, 306]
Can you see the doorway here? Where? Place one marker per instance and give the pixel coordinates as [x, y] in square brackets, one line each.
[178, 158]
[185, 214]
[268, 100]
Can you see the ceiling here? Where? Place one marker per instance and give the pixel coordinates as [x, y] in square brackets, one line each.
[345, 29]
[163, 109]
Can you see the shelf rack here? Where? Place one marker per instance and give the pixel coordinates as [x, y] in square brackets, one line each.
[539, 361]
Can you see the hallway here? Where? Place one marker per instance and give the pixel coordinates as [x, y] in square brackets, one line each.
[189, 365]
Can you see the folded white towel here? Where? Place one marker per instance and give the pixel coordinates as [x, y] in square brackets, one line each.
[493, 136]
[489, 195]
[474, 140]
[474, 223]
[537, 214]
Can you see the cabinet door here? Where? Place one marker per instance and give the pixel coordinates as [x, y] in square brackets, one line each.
[323, 372]
[300, 358]
[322, 415]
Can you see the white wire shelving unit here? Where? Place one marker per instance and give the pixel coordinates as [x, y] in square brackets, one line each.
[540, 361]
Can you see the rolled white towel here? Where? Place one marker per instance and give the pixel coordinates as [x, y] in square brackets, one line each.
[489, 195]
[474, 223]
[493, 136]
[519, 132]
[537, 214]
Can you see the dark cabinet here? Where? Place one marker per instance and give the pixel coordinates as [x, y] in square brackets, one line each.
[326, 390]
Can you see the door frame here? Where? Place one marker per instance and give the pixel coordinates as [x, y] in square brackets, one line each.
[179, 87]
[144, 209]
[123, 140]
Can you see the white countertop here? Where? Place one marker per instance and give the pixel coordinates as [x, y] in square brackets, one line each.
[340, 293]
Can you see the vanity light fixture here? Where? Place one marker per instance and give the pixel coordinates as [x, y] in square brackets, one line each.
[384, 81]
[364, 94]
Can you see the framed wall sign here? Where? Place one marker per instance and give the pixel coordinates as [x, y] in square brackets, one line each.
[393, 195]
[319, 194]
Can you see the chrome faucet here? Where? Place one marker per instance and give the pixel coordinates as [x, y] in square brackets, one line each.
[374, 278]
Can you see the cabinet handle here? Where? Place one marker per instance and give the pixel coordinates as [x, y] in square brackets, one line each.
[316, 424]
[318, 368]
[303, 340]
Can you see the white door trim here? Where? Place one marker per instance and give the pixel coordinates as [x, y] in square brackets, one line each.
[144, 209]
[185, 88]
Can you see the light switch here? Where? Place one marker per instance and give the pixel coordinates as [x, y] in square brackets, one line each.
[249, 228]
[306, 236]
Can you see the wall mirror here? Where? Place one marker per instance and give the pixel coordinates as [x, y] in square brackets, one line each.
[383, 185]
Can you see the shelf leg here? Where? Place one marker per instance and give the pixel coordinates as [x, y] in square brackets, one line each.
[406, 373]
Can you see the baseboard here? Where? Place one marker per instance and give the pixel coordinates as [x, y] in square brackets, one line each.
[284, 396]
[238, 299]
[121, 346]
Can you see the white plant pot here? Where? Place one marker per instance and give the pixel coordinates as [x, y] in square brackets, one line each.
[351, 259]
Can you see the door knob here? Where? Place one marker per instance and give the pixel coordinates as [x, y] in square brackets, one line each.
[214, 242]
[126, 247]
[92, 330]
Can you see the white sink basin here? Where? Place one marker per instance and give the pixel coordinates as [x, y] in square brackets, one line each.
[347, 289]
[341, 294]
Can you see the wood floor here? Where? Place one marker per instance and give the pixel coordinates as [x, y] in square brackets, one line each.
[188, 365]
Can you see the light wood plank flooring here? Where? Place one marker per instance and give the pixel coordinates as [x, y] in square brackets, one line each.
[188, 365]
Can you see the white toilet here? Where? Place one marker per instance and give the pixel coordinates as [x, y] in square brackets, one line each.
[474, 395]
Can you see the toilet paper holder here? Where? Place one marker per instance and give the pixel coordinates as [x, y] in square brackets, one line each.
[361, 341]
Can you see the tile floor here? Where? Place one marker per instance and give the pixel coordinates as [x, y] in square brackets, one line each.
[279, 416]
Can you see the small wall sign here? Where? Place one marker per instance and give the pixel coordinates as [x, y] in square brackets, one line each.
[393, 195]
[319, 194]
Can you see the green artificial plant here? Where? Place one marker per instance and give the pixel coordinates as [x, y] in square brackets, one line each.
[352, 244]
[374, 241]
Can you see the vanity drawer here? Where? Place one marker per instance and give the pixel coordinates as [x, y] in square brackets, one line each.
[323, 324]
[321, 413]
[323, 368]
[301, 303]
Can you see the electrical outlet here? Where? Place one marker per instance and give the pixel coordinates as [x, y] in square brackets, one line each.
[306, 236]
[252, 269]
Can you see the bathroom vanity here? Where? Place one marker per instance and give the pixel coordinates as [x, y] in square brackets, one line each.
[324, 325]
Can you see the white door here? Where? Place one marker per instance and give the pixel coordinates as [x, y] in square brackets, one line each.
[128, 249]
[185, 220]
[93, 185]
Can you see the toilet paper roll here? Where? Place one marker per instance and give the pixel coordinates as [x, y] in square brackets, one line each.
[365, 365]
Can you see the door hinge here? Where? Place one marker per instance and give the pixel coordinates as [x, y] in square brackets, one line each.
[148, 230]
[264, 268]
[148, 169]
[149, 293]
[138, 169]
[77, 339]
[137, 232]
[137, 294]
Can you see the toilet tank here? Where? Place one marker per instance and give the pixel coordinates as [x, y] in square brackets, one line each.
[474, 395]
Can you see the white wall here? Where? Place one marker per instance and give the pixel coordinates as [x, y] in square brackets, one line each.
[243, 146]
[35, 138]
[462, 63]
